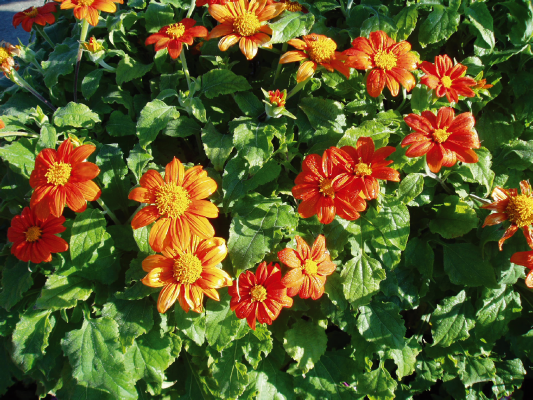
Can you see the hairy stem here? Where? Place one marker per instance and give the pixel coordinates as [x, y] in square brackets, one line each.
[106, 66]
[8, 134]
[45, 36]
[109, 212]
[25, 85]
[191, 8]
[83, 36]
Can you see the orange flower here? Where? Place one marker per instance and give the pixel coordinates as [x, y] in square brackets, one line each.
[7, 63]
[260, 296]
[173, 36]
[35, 239]
[525, 258]
[88, 9]
[200, 3]
[482, 84]
[35, 15]
[323, 188]
[93, 46]
[389, 62]
[61, 177]
[187, 272]
[176, 203]
[317, 50]
[2, 125]
[243, 22]
[517, 208]
[293, 6]
[309, 268]
[443, 137]
[277, 98]
[447, 79]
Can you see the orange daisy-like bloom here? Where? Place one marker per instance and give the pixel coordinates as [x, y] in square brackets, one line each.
[2, 125]
[317, 50]
[293, 6]
[93, 46]
[173, 36]
[482, 84]
[389, 62]
[447, 79]
[7, 63]
[200, 3]
[323, 188]
[259, 296]
[88, 9]
[34, 239]
[525, 258]
[176, 203]
[309, 268]
[243, 22]
[517, 208]
[277, 98]
[186, 272]
[63, 177]
[35, 15]
[443, 137]
[367, 166]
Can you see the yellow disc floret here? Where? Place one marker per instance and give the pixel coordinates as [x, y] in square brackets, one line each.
[362, 169]
[258, 293]
[446, 81]
[58, 174]
[33, 234]
[292, 5]
[172, 200]
[31, 12]
[385, 60]
[321, 49]
[520, 210]
[310, 267]
[326, 187]
[187, 269]
[85, 2]
[441, 135]
[246, 24]
[175, 31]
[4, 55]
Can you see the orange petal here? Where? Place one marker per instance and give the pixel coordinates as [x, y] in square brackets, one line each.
[306, 71]
[159, 234]
[151, 179]
[167, 297]
[142, 195]
[174, 172]
[145, 217]
[227, 41]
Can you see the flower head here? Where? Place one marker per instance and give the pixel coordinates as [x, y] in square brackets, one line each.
[259, 296]
[293, 6]
[173, 36]
[93, 46]
[443, 137]
[35, 15]
[447, 79]
[277, 98]
[200, 3]
[2, 125]
[63, 177]
[316, 50]
[482, 84]
[525, 258]
[309, 268]
[34, 239]
[514, 207]
[88, 9]
[389, 62]
[7, 63]
[323, 188]
[176, 203]
[243, 22]
[186, 272]
[367, 166]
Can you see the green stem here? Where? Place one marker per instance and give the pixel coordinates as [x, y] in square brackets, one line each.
[404, 94]
[434, 176]
[25, 85]
[185, 69]
[106, 66]
[481, 200]
[278, 70]
[45, 36]
[83, 37]
[297, 88]
[9, 133]
[109, 212]
[191, 8]
[273, 50]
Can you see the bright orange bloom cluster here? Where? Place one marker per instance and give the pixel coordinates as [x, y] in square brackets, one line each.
[173, 36]
[88, 9]
[35, 15]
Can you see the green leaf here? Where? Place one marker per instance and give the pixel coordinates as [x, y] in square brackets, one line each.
[410, 187]
[518, 155]
[16, 280]
[256, 343]
[222, 81]
[522, 21]
[157, 16]
[217, 146]
[95, 356]
[113, 175]
[230, 374]
[138, 160]
[91, 82]
[61, 292]
[20, 156]
[440, 24]
[428, 371]
[290, 26]
[182, 127]
[405, 358]
[129, 69]
[194, 383]
[481, 171]
[249, 104]
[30, 337]
[87, 234]
[420, 98]
[419, 254]
[324, 113]
[465, 266]
[495, 129]
[154, 118]
[378, 22]
[120, 125]
[509, 376]
[48, 137]
[477, 369]
[305, 342]
[392, 221]
[60, 62]
[373, 129]
[77, 115]
[377, 384]
[452, 320]
[479, 15]
[360, 279]
[381, 323]
[406, 22]
[222, 326]
[191, 324]
[454, 218]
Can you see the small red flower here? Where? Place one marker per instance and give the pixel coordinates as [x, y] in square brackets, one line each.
[309, 268]
[35, 239]
[482, 84]
[447, 79]
[173, 36]
[443, 137]
[277, 98]
[525, 258]
[259, 296]
[35, 15]
[88, 9]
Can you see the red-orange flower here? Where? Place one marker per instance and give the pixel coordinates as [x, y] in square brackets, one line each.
[293, 6]
[2, 125]
[514, 207]
[243, 22]
[447, 79]
[323, 188]
[525, 258]
[389, 62]
[200, 3]
[482, 84]
[176, 203]
[277, 98]
[35, 239]
[259, 296]
[186, 272]
[173, 36]
[443, 137]
[35, 15]
[367, 166]
[317, 50]
[309, 268]
[63, 177]
[7, 62]
[88, 9]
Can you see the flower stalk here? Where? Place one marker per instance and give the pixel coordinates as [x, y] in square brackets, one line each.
[25, 85]
[45, 36]
[108, 211]
[83, 37]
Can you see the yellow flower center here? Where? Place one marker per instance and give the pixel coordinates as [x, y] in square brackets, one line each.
[321, 49]
[441, 135]
[187, 269]
[292, 5]
[4, 55]
[258, 293]
[362, 169]
[520, 210]
[33, 234]
[31, 12]
[446, 81]
[310, 267]
[85, 2]
[385, 60]
[246, 24]
[172, 200]
[58, 174]
[175, 31]
[326, 188]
